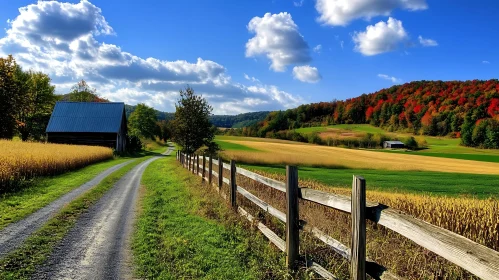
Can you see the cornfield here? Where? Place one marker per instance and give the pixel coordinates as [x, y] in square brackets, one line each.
[475, 219]
[20, 161]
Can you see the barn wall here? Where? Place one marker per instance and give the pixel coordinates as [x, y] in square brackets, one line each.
[83, 138]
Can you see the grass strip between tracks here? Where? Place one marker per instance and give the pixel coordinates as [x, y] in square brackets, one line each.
[21, 263]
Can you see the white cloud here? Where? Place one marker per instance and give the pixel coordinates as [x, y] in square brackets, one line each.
[60, 40]
[342, 44]
[298, 3]
[427, 42]
[277, 37]
[486, 62]
[342, 12]
[380, 38]
[318, 48]
[390, 78]
[306, 74]
[253, 79]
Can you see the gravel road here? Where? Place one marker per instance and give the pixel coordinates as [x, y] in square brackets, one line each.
[98, 247]
[14, 234]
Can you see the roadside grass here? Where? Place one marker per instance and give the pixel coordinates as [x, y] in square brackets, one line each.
[153, 145]
[21, 263]
[15, 206]
[420, 182]
[186, 231]
[233, 146]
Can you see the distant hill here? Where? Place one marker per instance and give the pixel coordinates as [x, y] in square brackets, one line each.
[226, 121]
[238, 121]
[466, 109]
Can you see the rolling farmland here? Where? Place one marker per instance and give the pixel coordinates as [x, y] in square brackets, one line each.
[286, 152]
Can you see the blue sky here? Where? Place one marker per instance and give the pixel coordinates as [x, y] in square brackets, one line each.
[254, 55]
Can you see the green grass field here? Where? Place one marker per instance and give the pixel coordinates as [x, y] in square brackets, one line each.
[185, 231]
[437, 146]
[233, 146]
[351, 127]
[433, 183]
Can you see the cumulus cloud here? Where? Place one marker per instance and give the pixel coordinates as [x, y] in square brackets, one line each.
[342, 12]
[390, 78]
[306, 74]
[380, 38]
[318, 48]
[60, 39]
[278, 38]
[427, 42]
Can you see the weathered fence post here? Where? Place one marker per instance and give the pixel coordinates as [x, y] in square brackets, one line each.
[197, 164]
[204, 167]
[358, 260]
[194, 164]
[233, 185]
[292, 217]
[220, 172]
[210, 169]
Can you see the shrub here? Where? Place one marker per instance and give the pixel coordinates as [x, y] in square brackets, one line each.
[133, 144]
[411, 143]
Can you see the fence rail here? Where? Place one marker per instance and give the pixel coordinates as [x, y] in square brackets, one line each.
[469, 255]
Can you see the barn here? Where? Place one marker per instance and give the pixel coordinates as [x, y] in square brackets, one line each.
[89, 123]
[393, 145]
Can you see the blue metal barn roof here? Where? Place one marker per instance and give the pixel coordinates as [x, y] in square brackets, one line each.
[104, 117]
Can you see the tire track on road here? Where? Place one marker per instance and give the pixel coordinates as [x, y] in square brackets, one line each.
[12, 236]
[98, 246]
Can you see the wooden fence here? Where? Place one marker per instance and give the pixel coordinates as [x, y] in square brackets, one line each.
[471, 256]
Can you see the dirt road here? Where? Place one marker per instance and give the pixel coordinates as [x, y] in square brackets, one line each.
[14, 234]
[98, 247]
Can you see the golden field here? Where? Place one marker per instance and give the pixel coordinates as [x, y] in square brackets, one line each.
[25, 160]
[475, 219]
[286, 152]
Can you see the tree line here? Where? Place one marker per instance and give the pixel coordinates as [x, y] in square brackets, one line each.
[27, 99]
[463, 109]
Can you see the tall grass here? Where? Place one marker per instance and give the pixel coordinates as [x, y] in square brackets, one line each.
[20, 161]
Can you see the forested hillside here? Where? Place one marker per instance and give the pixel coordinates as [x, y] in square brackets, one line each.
[227, 121]
[468, 109]
[238, 121]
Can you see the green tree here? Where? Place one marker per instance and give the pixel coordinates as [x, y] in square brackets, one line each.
[35, 106]
[480, 133]
[8, 97]
[82, 92]
[142, 122]
[492, 138]
[164, 130]
[411, 143]
[191, 127]
[467, 131]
